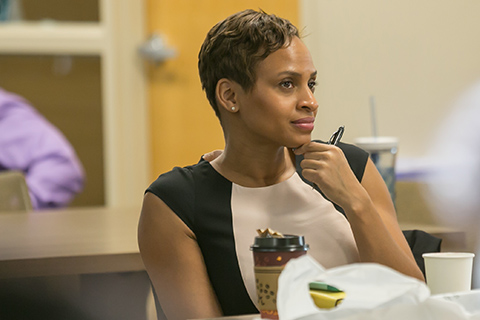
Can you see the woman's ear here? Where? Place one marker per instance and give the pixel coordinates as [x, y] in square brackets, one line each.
[226, 95]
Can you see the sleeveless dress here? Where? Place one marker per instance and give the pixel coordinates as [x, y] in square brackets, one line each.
[225, 216]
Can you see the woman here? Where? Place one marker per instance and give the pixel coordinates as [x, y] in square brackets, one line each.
[198, 222]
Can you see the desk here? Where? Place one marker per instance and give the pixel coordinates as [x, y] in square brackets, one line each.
[69, 241]
[95, 249]
[93, 252]
[243, 317]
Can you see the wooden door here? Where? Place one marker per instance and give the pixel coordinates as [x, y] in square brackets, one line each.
[183, 125]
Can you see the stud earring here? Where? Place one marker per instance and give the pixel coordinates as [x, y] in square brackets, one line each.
[233, 108]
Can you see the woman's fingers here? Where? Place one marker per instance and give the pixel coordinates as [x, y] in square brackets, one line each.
[312, 146]
[327, 167]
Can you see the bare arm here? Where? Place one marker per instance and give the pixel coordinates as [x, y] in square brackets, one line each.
[376, 228]
[174, 263]
[367, 205]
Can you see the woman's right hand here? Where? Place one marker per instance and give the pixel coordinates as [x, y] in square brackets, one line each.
[327, 167]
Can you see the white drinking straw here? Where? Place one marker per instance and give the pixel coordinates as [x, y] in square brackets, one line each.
[373, 116]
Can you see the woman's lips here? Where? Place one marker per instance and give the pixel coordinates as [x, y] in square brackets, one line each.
[306, 124]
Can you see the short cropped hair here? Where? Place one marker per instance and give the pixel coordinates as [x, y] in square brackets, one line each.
[233, 48]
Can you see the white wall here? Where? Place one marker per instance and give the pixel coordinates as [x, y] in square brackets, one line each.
[414, 56]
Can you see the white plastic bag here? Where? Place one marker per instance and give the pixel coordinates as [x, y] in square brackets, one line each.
[372, 292]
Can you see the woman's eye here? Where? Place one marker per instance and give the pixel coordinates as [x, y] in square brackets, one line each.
[287, 84]
[312, 85]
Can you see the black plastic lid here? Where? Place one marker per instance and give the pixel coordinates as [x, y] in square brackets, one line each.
[287, 243]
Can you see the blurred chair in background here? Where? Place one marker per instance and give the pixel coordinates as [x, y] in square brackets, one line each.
[14, 192]
[421, 242]
[31, 144]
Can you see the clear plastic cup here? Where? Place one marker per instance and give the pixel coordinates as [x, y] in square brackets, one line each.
[383, 152]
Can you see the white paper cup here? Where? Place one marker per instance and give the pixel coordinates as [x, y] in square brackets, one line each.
[448, 271]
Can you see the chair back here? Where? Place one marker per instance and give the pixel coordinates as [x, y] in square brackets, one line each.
[14, 194]
[421, 242]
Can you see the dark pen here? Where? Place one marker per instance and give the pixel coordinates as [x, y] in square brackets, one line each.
[336, 136]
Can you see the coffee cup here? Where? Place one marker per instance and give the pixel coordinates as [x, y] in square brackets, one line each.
[448, 272]
[270, 255]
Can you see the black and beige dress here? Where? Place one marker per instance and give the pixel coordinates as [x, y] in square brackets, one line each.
[224, 217]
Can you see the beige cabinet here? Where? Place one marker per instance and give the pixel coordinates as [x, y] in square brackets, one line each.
[76, 61]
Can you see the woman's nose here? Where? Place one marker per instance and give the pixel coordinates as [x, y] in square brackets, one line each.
[308, 101]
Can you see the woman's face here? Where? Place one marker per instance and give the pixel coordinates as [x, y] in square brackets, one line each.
[280, 109]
